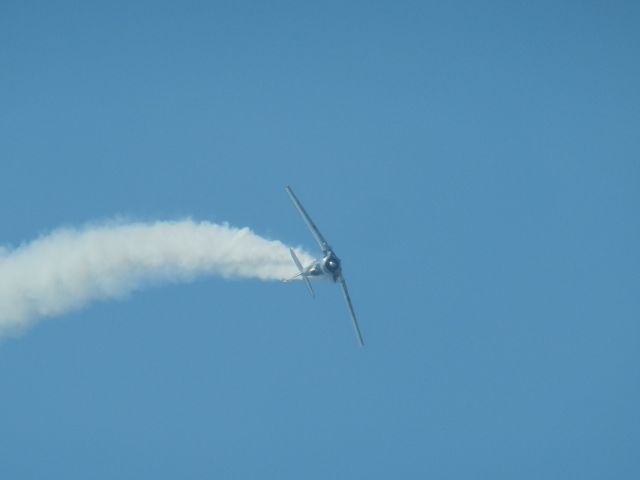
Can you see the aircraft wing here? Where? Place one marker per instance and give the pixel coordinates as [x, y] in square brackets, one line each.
[347, 299]
[307, 219]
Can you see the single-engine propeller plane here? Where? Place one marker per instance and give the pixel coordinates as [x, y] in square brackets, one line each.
[328, 267]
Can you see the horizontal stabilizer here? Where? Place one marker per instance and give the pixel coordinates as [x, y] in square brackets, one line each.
[301, 270]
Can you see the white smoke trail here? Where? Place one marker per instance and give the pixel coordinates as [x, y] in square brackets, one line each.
[68, 268]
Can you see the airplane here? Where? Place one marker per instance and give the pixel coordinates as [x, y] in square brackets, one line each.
[328, 267]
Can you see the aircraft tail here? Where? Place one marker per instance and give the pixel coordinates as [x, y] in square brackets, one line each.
[301, 270]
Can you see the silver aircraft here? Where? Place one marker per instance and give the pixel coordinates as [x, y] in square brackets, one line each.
[328, 267]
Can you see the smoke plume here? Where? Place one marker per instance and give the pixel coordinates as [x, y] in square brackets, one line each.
[68, 268]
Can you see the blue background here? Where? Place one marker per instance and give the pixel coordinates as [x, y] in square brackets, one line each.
[476, 166]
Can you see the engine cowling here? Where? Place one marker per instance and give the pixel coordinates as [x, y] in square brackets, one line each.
[332, 264]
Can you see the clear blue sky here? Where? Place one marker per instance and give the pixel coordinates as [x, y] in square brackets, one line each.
[475, 164]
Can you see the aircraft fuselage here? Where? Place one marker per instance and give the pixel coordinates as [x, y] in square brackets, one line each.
[328, 267]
